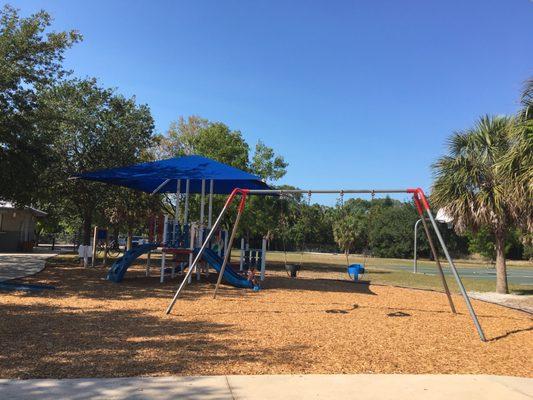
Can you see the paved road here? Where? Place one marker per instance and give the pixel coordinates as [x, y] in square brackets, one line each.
[518, 275]
[19, 265]
[270, 387]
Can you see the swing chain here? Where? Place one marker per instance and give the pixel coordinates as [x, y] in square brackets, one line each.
[309, 198]
[341, 198]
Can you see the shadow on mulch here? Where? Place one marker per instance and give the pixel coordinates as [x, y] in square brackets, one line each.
[317, 267]
[90, 283]
[41, 341]
[318, 285]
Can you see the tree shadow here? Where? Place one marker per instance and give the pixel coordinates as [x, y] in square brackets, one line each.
[72, 279]
[523, 292]
[130, 388]
[318, 285]
[317, 267]
[41, 341]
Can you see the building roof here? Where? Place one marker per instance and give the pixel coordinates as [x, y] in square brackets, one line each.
[7, 205]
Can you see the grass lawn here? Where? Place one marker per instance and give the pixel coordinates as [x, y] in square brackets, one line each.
[379, 271]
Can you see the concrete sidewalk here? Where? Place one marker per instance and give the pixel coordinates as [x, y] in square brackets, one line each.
[254, 387]
[19, 265]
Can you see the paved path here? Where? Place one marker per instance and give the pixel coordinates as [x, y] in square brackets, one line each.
[269, 387]
[19, 265]
[518, 275]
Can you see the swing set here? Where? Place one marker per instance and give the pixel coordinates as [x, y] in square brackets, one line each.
[421, 204]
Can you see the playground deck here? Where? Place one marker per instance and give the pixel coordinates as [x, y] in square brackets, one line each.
[89, 327]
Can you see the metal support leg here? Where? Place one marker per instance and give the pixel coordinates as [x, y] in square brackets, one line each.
[439, 266]
[457, 277]
[200, 252]
[227, 255]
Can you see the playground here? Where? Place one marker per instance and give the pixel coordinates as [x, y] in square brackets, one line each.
[232, 308]
[90, 327]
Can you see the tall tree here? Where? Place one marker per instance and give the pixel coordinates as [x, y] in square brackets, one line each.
[517, 165]
[473, 190]
[266, 164]
[92, 128]
[30, 61]
[181, 137]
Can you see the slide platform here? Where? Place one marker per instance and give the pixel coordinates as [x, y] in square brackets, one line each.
[230, 276]
[119, 267]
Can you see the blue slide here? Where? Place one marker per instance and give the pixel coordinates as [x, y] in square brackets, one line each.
[119, 267]
[230, 276]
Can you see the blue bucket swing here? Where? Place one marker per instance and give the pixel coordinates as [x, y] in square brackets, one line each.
[354, 270]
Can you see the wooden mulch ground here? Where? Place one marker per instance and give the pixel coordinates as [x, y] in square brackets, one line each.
[89, 327]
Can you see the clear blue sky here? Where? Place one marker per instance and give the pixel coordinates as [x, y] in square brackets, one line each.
[354, 94]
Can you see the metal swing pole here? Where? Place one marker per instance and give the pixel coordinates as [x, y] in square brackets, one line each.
[435, 255]
[201, 251]
[227, 256]
[415, 265]
[419, 194]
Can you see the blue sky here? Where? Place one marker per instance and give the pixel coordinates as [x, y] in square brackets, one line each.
[354, 94]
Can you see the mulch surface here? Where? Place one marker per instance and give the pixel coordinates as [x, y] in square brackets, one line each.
[89, 327]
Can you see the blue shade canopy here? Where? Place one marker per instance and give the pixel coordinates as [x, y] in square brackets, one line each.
[148, 176]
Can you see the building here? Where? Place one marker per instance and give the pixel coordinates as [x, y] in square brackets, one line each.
[17, 227]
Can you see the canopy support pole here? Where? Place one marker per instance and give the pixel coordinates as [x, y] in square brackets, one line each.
[177, 212]
[210, 208]
[202, 204]
[186, 212]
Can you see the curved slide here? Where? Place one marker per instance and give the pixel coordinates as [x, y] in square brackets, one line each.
[119, 267]
[230, 276]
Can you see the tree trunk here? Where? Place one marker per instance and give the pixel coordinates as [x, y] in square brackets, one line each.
[128, 241]
[501, 268]
[347, 254]
[87, 222]
[115, 235]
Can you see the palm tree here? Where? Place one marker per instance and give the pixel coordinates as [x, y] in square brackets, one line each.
[517, 164]
[473, 189]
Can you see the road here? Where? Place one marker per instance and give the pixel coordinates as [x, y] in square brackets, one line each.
[517, 275]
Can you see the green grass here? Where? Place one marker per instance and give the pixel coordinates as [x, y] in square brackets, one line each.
[379, 271]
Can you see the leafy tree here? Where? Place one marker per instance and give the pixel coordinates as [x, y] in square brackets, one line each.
[218, 142]
[266, 164]
[129, 210]
[390, 232]
[92, 128]
[471, 187]
[30, 61]
[516, 166]
[181, 137]
[482, 242]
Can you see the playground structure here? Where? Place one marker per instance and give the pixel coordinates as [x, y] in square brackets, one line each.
[179, 239]
[177, 236]
[422, 206]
